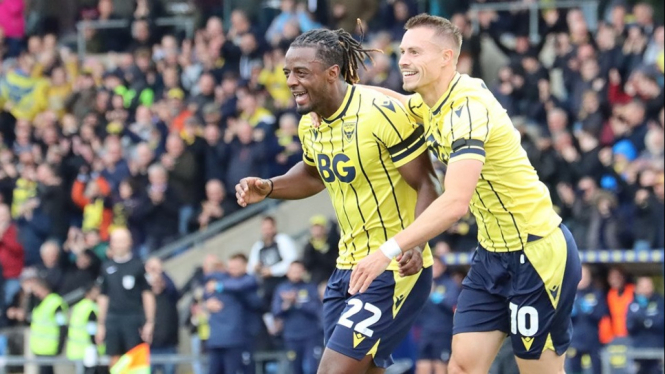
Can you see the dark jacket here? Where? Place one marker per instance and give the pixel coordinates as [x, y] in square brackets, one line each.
[302, 319]
[320, 258]
[234, 324]
[160, 219]
[589, 308]
[645, 322]
[437, 315]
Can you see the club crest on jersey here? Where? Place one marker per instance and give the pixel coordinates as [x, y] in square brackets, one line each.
[349, 129]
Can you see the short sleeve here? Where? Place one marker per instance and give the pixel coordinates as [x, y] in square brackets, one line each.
[304, 135]
[470, 130]
[103, 282]
[403, 137]
[416, 108]
[142, 279]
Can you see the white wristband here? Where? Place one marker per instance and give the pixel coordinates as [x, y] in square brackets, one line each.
[391, 249]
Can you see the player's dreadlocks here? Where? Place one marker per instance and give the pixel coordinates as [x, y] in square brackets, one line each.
[337, 48]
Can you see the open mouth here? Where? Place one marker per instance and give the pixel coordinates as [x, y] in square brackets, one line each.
[408, 74]
[301, 97]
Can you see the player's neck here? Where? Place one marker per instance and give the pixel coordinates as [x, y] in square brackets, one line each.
[432, 94]
[336, 98]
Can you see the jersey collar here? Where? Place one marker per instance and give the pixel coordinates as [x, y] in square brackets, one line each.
[350, 89]
[439, 104]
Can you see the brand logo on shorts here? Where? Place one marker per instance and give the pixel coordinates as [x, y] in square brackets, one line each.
[357, 339]
[554, 292]
[397, 304]
[527, 343]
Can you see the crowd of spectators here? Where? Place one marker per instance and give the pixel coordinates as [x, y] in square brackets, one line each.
[152, 130]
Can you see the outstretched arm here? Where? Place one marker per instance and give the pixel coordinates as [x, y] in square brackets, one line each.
[460, 184]
[300, 182]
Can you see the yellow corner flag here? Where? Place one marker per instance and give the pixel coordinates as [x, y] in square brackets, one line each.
[136, 361]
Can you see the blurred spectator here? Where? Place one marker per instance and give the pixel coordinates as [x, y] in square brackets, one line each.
[253, 112]
[436, 321]
[346, 12]
[48, 322]
[158, 210]
[21, 94]
[11, 256]
[52, 266]
[645, 323]
[215, 207]
[34, 227]
[589, 308]
[619, 298]
[89, 193]
[154, 268]
[12, 25]
[216, 153]
[165, 339]
[83, 271]
[284, 150]
[320, 253]
[246, 152]
[270, 258]
[82, 329]
[116, 168]
[291, 13]
[296, 302]
[182, 170]
[231, 300]
[197, 322]
[382, 73]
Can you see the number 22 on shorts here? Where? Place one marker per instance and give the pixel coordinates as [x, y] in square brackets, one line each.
[362, 327]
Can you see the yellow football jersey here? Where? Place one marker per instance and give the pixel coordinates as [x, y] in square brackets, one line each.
[510, 203]
[357, 152]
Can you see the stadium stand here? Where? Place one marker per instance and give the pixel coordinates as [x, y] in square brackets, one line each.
[143, 114]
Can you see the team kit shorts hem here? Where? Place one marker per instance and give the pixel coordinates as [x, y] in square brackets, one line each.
[528, 294]
[376, 321]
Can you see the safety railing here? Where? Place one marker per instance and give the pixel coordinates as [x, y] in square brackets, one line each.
[198, 238]
[628, 356]
[654, 256]
[185, 23]
[589, 7]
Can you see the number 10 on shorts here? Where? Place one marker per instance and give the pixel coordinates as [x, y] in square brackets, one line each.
[523, 320]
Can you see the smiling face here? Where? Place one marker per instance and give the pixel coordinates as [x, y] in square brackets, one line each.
[423, 60]
[308, 78]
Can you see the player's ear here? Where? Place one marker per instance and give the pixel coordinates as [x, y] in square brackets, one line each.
[333, 73]
[448, 56]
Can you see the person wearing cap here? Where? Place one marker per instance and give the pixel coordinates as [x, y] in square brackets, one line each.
[181, 113]
[320, 253]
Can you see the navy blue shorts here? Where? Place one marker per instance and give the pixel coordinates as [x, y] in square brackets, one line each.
[435, 347]
[527, 294]
[376, 321]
